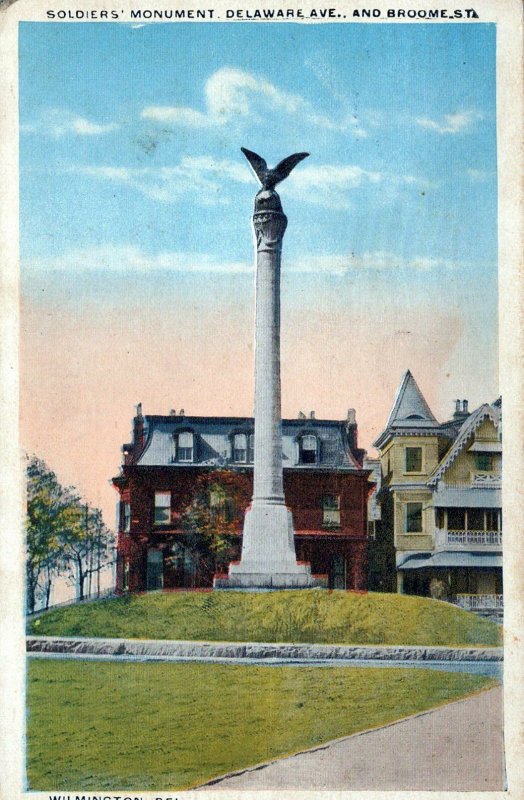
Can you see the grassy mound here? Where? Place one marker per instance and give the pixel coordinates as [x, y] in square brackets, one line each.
[94, 726]
[311, 616]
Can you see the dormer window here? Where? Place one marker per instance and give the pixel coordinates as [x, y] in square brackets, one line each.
[308, 449]
[185, 446]
[240, 448]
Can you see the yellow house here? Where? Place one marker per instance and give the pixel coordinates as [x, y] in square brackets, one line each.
[442, 497]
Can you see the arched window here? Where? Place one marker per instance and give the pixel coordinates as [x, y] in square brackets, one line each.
[308, 449]
[184, 451]
[240, 448]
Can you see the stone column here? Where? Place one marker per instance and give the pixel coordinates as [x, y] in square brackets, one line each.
[268, 557]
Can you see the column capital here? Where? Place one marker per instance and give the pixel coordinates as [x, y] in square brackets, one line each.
[269, 228]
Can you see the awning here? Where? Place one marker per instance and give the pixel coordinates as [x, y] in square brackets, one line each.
[467, 498]
[455, 559]
[485, 447]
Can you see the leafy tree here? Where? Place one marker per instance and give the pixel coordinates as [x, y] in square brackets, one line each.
[86, 544]
[64, 536]
[213, 519]
[44, 525]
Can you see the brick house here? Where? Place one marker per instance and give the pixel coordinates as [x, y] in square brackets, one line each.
[325, 484]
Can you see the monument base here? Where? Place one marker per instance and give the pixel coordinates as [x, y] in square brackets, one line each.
[268, 553]
[259, 581]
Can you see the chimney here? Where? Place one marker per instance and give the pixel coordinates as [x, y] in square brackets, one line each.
[351, 429]
[461, 410]
[138, 429]
[311, 415]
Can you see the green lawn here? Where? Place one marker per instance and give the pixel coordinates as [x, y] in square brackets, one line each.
[292, 616]
[95, 725]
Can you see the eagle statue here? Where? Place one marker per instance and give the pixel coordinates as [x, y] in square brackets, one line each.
[270, 177]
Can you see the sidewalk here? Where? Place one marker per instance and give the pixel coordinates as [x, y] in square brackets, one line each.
[458, 747]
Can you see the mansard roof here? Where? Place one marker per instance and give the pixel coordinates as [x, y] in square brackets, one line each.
[213, 439]
[468, 427]
[410, 414]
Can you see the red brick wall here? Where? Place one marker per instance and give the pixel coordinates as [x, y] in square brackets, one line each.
[303, 492]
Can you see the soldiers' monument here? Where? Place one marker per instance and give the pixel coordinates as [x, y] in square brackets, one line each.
[268, 557]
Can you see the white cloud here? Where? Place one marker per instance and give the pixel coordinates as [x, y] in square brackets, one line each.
[178, 115]
[478, 175]
[86, 128]
[231, 94]
[59, 122]
[459, 122]
[124, 258]
[325, 185]
[202, 175]
[329, 185]
[370, 261]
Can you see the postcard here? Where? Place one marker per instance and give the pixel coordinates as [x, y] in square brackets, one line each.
[262, 380]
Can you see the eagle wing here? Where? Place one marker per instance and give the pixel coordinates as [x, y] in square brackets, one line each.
[285, 166]
[258, 164]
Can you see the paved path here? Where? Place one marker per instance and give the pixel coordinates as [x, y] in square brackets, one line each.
[457, 747]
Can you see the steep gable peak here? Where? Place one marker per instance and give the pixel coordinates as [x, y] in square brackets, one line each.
[469, 427]
[410, 407]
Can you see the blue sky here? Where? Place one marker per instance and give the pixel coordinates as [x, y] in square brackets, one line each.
[135, 196]
[133, 129]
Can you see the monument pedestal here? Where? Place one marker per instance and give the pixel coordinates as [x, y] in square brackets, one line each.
[268, 552]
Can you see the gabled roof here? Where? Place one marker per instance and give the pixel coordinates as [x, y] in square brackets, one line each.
[410, 413]
[469, 426]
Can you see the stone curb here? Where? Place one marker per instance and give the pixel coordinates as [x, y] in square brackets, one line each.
[256, 650]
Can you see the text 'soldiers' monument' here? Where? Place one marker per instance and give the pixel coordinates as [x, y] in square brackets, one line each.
[268, 557]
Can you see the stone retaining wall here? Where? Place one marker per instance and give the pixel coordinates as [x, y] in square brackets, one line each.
[255, 650]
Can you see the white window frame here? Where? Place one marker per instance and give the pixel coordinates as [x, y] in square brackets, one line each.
[310, 437]
[185, 451]
[413, 503]
[238, 458]
[162, 504]
[331, 512]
